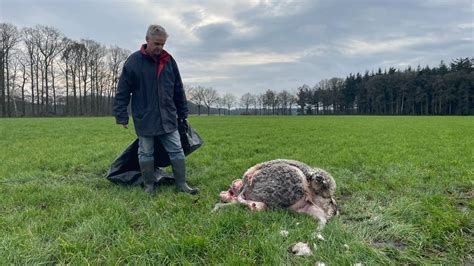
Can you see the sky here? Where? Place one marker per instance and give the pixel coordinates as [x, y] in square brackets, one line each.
[245, 46]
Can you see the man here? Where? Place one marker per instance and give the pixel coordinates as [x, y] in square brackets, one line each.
[151, 77]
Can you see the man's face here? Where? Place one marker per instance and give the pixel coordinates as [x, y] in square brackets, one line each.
[154, 44]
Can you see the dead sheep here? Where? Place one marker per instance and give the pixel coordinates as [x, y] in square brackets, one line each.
[285, 184]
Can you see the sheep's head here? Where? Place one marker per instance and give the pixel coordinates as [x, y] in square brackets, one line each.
[322, 183]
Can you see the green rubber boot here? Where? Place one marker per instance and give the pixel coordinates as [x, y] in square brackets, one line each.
[179, 173]
[148, 168]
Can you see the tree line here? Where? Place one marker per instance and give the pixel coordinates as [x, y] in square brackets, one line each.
[442, 90]
[44, 73]
[269, 103]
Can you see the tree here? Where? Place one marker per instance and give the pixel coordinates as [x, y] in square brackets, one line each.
[79, 52]
[303, 94]
[49, 45]
[15, 68]
[270, 100]
[229, 100]
[220, 103]
[246, 100]
[335, 87]
[9, 38]
[29, 42]
[254, 102]
[67, 59]
[291, 102]
[22, 62]
[94, 63]
[284, 98]
[210, 97]
[259, 102]
[323, 95]
[196, 96]
[115, 60]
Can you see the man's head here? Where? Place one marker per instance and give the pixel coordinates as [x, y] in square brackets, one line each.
[155, 39]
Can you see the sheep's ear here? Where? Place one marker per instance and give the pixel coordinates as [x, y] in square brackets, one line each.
[336, 209]
[314, 176]
[320, 179]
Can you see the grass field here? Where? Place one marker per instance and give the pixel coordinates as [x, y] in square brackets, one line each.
[405, 189]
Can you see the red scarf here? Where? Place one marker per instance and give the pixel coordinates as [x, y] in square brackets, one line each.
[164, 58]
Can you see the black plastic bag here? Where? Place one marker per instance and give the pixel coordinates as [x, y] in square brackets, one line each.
[125, 169]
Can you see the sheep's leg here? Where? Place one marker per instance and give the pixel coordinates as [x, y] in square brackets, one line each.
[253, 205]
[249, 174]
[227, 197]
[222, 205]
[251, 171]
[230, 195]
[307, 207]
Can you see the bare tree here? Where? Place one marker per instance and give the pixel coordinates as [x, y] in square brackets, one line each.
[29, 44]
[49, 45]
[14, 66]
[22, 63]
[260, 102]
[67, 58]
[30, 38]
[115, 60]
[79, 54]
[210, 97]
[246, 100]
[94, 60]
[85, 71]
[323, 96]
[270, 100]
[9, 38]
[254, 102]
[229, 101]
[220, 103]
[103, 82]
[196, 95]
[291, 102]
[284, 101]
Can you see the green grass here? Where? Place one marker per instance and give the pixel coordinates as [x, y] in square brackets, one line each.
[405, 189]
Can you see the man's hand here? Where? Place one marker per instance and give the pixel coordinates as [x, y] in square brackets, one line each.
[183, 124]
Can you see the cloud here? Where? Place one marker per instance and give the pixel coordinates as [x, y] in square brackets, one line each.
[218, 30]
[253, 45]
[369, 47]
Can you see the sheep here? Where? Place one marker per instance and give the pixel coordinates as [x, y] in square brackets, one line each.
[286, 184]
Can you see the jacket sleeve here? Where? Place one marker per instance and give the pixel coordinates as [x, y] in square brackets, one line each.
[122, 95]
[179, 94]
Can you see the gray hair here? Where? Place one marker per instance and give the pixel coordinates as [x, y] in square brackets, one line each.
[156, 30]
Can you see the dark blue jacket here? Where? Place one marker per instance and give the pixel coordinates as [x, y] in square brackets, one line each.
[157, 93]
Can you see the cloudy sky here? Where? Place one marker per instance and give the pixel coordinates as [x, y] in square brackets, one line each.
[252, 45]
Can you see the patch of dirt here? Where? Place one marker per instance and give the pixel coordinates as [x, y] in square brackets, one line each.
[462, 193]
[344, 197]
[436, 250]
[137, 226]
[468, 263]
[345, 194]
[469, 194]
[357, 218]
[462, 207]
